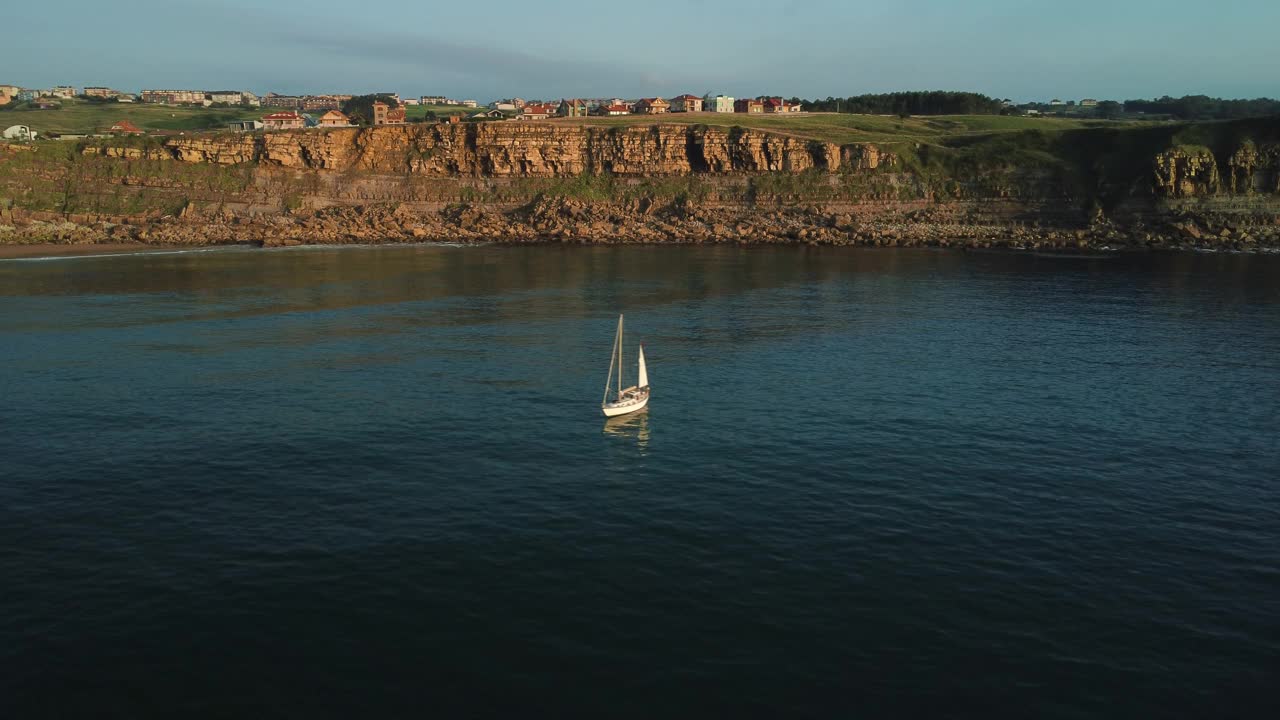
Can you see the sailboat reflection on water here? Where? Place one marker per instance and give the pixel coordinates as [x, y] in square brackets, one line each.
[633, 426]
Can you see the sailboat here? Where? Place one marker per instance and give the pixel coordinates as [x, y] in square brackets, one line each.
[630, 399]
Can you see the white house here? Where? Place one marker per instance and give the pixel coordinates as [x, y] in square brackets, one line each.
[19, 132]
[717, 103]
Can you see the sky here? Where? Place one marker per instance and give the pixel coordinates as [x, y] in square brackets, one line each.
[487, 49]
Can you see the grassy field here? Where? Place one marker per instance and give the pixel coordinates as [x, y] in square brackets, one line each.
[847, 128]
[81, 116]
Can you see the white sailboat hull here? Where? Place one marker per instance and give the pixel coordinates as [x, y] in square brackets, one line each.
[626, 406]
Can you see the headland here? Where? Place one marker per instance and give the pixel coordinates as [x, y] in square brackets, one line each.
[945, 181]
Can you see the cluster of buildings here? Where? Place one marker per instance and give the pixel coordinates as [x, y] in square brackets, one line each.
[15, 93]
[383, 114]
[442, 100]
[293, 112]
[608, 107]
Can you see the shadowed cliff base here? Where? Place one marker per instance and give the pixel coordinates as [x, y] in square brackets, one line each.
[1172, 185]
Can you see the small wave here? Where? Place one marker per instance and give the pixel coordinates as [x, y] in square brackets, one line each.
[94, 256]
[375, 246]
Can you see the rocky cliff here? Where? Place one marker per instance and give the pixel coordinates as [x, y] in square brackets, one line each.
[516, 149]
[1213, 184]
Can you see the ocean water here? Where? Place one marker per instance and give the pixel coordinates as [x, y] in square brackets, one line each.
[375, 482]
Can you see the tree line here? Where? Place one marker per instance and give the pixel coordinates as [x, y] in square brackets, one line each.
[1203, 107]
[929, 102]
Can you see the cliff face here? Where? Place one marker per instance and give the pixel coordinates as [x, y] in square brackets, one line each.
[1156, 186]
[1194, 172]
[515, 149]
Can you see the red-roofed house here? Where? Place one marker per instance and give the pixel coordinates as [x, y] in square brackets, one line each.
[778, 105]
[287, 120]
[124, 127]
[537, 112]
[652, 106]
[384, 114]
[334, 118]
[686, 103]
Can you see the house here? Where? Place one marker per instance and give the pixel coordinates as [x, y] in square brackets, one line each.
[27, 95]
[686, 103]
[718, 104]
[432, 99]
[292, 102]
[1088, 102]
[469, 103]
[244, 126]
[751, 107]
[225, 97]
[100, 92]
[384, 114]
[779, 106]
[322, 102]
[335, 119]
[19, 132]
[124, 127]
[125, 99]
[613, 110]
[173, 97]
[572, 108]
[285, 120]
[652, 106]
[1056, 101]
[66, 92]
[537, 112]
[489, 115]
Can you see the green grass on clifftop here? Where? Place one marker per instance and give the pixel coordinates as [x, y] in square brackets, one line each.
[84, 117]
[846, 128]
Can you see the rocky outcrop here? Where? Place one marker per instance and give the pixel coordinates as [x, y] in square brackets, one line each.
[1254, 170]
[1186, 172]
[524, 150]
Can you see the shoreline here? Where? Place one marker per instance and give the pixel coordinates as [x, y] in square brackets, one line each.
[53, 251]
[38, 251]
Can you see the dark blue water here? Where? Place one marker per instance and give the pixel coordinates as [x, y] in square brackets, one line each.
[375, 483]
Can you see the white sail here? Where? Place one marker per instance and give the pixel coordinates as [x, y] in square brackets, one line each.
[644, 373]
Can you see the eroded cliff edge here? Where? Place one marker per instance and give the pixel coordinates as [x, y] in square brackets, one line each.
[1215, 184]
[518, 150]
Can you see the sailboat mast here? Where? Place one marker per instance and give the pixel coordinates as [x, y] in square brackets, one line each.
[609, 380]
[619, 355]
